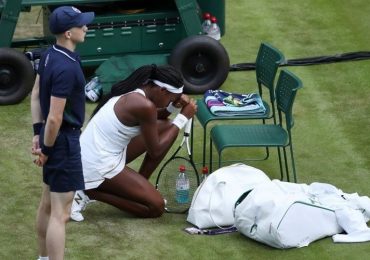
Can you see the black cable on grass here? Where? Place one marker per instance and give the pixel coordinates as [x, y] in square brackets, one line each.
[349, 56]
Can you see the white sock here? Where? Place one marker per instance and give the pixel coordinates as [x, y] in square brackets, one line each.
[43, 258]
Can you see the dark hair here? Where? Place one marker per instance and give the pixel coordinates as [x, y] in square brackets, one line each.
[165, 73]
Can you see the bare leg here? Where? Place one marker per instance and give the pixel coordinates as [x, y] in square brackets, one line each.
[42, 220]
[60, 211]
[131, 192]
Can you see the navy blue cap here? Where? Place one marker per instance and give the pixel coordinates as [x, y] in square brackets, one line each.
[66, 17]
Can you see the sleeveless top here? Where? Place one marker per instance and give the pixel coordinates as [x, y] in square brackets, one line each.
[104, 143]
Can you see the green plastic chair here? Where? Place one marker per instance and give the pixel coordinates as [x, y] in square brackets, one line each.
[263, 135]
[267, 63]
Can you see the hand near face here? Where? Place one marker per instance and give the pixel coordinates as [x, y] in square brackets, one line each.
[189, 109]
[182, 101]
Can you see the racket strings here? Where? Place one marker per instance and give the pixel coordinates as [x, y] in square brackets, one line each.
[166, 184]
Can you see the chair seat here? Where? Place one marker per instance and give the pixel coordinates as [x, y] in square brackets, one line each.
[248, 135]
[205, 116]
[264, 135]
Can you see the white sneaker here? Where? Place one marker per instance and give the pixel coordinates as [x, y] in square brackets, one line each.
[79, 203]
[77, 216]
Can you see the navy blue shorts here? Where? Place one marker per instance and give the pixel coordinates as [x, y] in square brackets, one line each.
[63, 169]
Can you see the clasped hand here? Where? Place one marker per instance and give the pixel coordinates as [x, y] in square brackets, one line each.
[36, 150]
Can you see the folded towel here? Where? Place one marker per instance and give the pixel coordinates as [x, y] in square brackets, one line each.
[222, 103]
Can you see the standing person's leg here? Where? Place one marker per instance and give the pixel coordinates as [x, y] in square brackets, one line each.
[59, 216]
[130, 192]
[63, 173]
[42, 220]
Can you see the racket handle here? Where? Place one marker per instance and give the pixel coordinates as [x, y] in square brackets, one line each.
[188, 126]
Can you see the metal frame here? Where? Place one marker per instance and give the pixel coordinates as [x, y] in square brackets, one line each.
[188, 13]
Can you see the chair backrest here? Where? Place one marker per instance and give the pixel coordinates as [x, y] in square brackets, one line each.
[267, 63]
[286, 90]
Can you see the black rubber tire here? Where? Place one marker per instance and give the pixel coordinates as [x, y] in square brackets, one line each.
[203, 61]
[16, 76]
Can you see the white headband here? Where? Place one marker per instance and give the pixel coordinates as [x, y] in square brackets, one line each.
[168, 87]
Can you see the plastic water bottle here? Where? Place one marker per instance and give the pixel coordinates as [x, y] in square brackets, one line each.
[93, 89]
[206, 25]
[214, 30]
[182, 186]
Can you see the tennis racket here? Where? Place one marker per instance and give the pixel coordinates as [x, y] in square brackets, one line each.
[211, 231]
[177, 202]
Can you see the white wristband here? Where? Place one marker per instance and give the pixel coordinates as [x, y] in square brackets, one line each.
[180, 121]
[171, 108]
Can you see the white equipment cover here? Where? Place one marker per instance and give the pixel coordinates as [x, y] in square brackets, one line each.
[285, 215]
[214, 200]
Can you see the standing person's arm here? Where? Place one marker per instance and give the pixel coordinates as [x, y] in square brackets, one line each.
[36, 114]
[52, 126]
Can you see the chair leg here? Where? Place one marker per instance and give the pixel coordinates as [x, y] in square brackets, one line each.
[210, 155]
[286, 164]
[267, 149]
[293, 163]
[280, 165]
[204, 144]
[192, 138]
[219, 159]
[267, 154]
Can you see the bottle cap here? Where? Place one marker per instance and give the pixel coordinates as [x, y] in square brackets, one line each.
[207, 16]
[213, 19]
[205, 170]
[182, 168]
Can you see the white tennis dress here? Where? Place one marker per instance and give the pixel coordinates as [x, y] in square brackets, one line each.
[104, 143]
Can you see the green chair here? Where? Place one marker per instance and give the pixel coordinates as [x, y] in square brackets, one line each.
[263, 135]
[267, 63]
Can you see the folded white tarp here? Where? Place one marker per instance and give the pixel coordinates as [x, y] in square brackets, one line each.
[285, 215]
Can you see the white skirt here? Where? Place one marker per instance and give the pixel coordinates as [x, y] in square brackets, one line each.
[108, 167]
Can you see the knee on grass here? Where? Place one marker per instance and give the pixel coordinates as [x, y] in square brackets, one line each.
[156, 209]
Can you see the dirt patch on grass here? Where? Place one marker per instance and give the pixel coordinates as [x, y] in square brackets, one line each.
[30, 24]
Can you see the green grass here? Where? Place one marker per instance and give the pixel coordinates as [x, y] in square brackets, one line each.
[331, 138]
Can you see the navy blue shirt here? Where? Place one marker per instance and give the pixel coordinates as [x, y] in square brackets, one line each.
[61, 76]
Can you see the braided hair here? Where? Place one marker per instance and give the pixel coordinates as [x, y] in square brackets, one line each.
[165, 73]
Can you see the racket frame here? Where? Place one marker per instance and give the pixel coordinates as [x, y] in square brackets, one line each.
[189, 149]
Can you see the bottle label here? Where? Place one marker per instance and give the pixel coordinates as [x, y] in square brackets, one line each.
[214, 32]
[182, 188]
[206, 25]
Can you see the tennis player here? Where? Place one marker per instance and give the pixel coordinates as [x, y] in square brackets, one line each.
[131, 120]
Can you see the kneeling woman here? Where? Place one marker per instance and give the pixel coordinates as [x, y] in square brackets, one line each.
[132, 120]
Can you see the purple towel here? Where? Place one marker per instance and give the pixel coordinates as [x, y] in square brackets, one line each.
[224, 103]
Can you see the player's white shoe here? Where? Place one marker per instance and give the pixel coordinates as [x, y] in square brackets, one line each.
[79, 203]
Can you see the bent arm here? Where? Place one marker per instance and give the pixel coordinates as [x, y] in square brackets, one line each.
[173, 107]
[165, 139]
[156, 143]
[163, 113]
